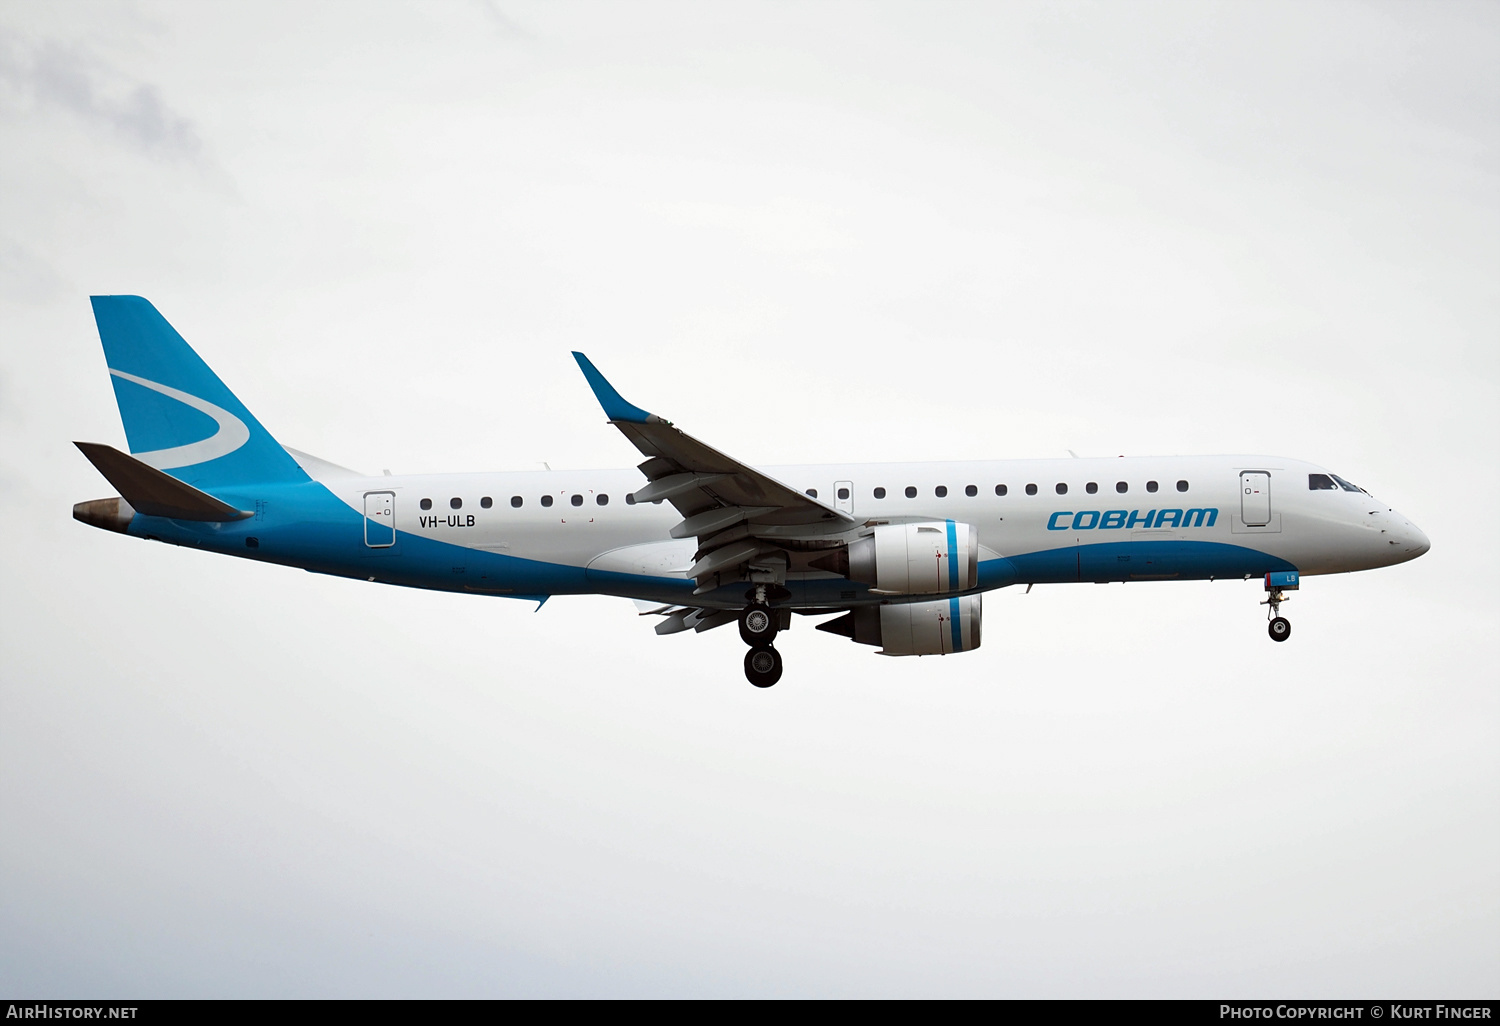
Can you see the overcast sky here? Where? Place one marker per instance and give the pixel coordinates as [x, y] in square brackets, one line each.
[804, 232]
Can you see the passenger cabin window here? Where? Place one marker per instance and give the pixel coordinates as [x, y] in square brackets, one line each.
[1001, 489]
[971, 490]
[426, 504]
[546, 500]
[941, 491]
[630, 498]
[1182, 486]
[456, 503]
[911, 493]
[880, 493]
[1091, 487]
[603, 499]
[1346, 485]
[1062, 489]
[577, 499]
[1121, 487]
[516, 500]
[486, 502]
[813, 492]
[1150, 486]
[843, 493]
[1031, 489]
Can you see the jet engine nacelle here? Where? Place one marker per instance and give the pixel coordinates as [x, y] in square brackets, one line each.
[938, 627]
[933, 558]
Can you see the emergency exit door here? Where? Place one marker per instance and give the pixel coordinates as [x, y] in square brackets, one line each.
[380, 519]
[1255, 498]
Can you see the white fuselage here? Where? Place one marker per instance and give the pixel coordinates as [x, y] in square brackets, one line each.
[1047, 507]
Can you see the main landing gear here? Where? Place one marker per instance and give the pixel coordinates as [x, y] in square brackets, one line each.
[762, 666]
[758, 627]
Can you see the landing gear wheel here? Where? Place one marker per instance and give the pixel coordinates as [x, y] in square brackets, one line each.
[1280, 629]
[762, 666]
[757, 625]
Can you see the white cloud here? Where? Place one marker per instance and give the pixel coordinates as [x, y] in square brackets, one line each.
[55, 75]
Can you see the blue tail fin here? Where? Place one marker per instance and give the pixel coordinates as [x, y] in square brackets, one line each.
[179, 417]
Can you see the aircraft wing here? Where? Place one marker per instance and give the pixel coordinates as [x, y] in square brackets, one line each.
[721, 499]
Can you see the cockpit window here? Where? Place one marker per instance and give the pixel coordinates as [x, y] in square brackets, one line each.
[1345, 485]
[1321, 483]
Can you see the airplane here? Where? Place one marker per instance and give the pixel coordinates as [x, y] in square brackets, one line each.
[899, 555]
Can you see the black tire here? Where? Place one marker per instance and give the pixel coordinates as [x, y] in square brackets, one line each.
[1280, 629]
[757, 625]
[762, 666]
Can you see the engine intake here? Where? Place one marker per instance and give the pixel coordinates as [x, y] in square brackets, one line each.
[937, 627]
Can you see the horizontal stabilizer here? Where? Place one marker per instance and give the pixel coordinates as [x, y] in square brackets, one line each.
[154, 493]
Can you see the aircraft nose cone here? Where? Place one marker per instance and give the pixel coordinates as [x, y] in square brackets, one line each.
[1409, 539]
[1417, 543]
[1398, 537]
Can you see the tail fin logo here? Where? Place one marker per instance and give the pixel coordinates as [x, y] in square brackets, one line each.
[231, 435]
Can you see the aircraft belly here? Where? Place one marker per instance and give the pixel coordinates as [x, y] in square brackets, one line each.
[670, 559]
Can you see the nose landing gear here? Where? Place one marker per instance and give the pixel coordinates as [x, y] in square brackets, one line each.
[1280, 628]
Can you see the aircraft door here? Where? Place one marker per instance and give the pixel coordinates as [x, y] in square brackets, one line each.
[1255, 498]
[843, 496]
[380, 519]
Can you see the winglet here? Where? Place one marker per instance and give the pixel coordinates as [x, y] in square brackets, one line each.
[615, 407]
